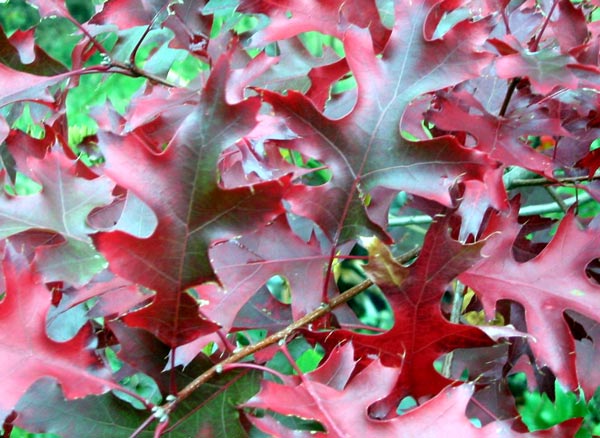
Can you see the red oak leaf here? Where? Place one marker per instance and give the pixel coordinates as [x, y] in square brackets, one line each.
[262, 166]
[215, 414]
[172, 317]
[245, 263]
[588, 356]
[421, 334]
[128, 13]
[478, 198]
[545, 69]
[293, 17]
[62, 206]
[21, 53]
[181, 186]
[546, 286]
[364, 149]
[569, 26]
[342, 404]
[500, 137]
[142, 351]
[190, 26]
[28, 354]
[24, 42]
[295, 68]
[113, 296]
[17, 86]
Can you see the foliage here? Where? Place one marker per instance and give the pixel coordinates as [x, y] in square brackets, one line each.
[323, 218]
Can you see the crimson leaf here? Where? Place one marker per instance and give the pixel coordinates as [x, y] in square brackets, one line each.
[181, 185]
[28, 354]
[559, 284]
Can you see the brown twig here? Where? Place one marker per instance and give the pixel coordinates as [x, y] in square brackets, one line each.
[92, 39]
[516, 183]
[556, 197]
[145, 34]
[325, 308]
[126, 68]
[508, 96]
[134, 71]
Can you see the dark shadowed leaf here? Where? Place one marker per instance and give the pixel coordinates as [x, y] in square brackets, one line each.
[213, 411]
[21, 53]
[182, 187]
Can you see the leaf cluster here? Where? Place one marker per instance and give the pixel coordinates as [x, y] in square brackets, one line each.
[299, 218]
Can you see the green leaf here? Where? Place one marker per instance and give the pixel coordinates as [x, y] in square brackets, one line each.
[75, 262]
[211, 411]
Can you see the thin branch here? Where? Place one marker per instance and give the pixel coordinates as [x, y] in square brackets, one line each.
[145, 34]
[516, 183]
[130, 68]
[123, 69]
[508, 96]
[528, 210]
[538, 39]
[551, 207]
[135, 71]
[147, 422]
[218, 368]
[97, 44]
[559, 201]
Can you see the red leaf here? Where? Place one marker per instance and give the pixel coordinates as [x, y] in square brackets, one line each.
[569, 26]
[25, 44]
[112, 296]
[62, 206]
[546, 286]
[16, 86]
[190, 26]
[479, 197]
[500, 137]
[142, 351]
[181, 186]
[364, 149]
[173, 318]
[265, 312]
[128, 13]
[28, 354]
[292, 17]
[421, 334]
[260, 167]
[342, 407]
[297, 69]
[545, 69]
[244, 264]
